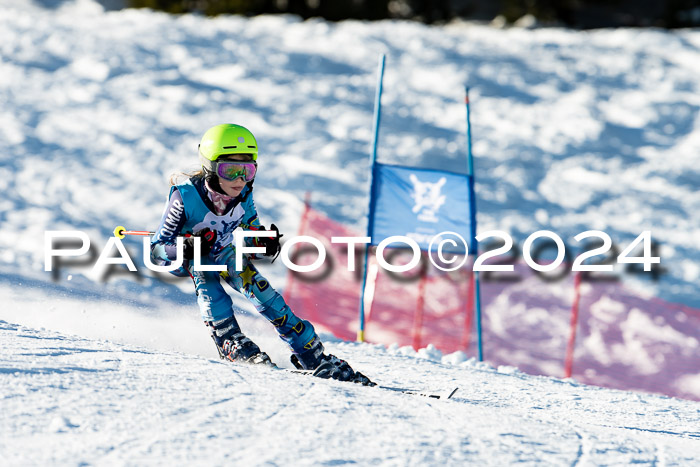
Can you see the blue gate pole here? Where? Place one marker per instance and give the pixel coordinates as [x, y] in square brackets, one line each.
[475, 246]
[370, 214]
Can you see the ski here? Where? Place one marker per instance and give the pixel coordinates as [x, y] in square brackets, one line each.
[446, 395]
[413, 392]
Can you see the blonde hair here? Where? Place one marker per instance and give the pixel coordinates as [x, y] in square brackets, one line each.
[177, 177]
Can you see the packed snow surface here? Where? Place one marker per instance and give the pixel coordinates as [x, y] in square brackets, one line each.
[69, 400]
[572, 131]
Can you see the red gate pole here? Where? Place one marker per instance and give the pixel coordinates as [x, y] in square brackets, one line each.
[418, 318]
[469, 314]
[569, 362]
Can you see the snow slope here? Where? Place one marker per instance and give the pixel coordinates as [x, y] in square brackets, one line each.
[99, 402]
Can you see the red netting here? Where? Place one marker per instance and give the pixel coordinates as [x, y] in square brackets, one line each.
[623, 341]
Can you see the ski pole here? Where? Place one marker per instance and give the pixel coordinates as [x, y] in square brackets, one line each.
[120, 232]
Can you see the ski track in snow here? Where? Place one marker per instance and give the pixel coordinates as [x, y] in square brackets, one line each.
[96, 401]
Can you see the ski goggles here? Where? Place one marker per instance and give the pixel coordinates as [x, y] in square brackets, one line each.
[233, 170]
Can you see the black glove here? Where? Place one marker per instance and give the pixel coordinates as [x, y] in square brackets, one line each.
[207, 240]
[272, 244]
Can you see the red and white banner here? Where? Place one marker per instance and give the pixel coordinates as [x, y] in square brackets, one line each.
[622, 341]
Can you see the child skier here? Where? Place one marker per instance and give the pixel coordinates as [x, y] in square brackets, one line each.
[210, 205]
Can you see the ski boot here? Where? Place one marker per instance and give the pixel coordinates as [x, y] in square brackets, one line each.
[234, 346]
[238, 348]
[327, 366]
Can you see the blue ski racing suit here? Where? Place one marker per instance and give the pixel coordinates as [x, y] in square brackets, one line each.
[189, 209]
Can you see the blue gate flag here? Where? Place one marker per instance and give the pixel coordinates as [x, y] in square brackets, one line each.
[419, 204]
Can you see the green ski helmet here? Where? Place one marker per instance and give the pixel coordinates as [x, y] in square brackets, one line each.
[224, 140]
